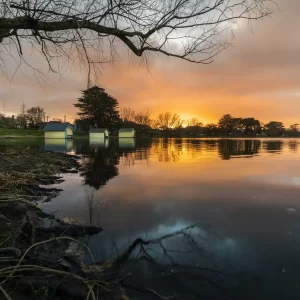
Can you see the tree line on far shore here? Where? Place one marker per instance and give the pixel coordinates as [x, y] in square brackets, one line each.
[99, 109]
[32, 118]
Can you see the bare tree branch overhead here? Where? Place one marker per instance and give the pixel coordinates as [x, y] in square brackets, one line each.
[187, 29]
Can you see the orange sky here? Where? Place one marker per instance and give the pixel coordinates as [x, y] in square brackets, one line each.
[258, 76]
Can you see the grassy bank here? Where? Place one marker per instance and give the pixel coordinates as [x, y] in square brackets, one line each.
[5, 132]
[31, 133]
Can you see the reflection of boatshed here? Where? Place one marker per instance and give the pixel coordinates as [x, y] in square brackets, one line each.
[99, 143]
[126, 133]
[58, 130]
[59, 145]
[127, 143]
[99, 133]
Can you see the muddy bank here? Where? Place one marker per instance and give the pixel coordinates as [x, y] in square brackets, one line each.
[40, 256]
[22, 170]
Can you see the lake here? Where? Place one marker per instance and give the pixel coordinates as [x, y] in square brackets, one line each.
[221, 216]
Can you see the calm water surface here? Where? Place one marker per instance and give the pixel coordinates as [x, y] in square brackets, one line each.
[244, 196]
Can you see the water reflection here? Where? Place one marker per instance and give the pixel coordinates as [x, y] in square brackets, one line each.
[154, 188]
[59, 145]
[293, 146]
[126, 143]
[99, 143]
[273, 146]
[238, 148]
[105, 157]
[101, 165]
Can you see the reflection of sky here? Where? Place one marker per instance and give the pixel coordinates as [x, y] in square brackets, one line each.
[244, 200]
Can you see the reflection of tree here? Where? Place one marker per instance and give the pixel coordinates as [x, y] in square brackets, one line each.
[81, 146]
[293, 146]
[128, 156]
[181, 264]
[273, 146]
[171, 150]
[235, 148]
[127, 159]
[210, 144]
[100, 166]
[167, 150]
[89, 199]
[93, 202]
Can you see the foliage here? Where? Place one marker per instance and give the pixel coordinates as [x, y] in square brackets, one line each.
[274, 128]
[250, 125]
[22, 117]
[193, 122]
[239, 126]
[226, 123]
[211, 129]
[140, 121]
[82, 125]
[98, 108]
[167, 121]
[127, 114]
[35, 116]
[294, 127]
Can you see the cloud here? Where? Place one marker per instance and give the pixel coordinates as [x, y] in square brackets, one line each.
[258, 76]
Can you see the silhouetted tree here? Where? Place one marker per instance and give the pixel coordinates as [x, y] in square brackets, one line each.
[226, 124]
[274, 128]
[193, 128]
[82, 125]
[211, 129]
[127, 114]
[167, 122]
[193, 122]
[98, 108]
[143, 118]
[250, 126]
[35, 116]
[22, 117]
[294, 130]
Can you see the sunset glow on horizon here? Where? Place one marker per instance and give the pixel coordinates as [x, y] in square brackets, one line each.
[257, 77]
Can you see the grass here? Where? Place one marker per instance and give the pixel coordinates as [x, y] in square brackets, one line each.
[21, 167]
[6, 132]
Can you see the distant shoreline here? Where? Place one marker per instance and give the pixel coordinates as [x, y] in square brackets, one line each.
[3, 137]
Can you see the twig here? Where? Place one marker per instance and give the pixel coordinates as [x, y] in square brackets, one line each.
[4, 293]
[160, 296]
[33, 246]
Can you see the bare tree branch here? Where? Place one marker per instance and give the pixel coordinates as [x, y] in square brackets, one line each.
[191, 30]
